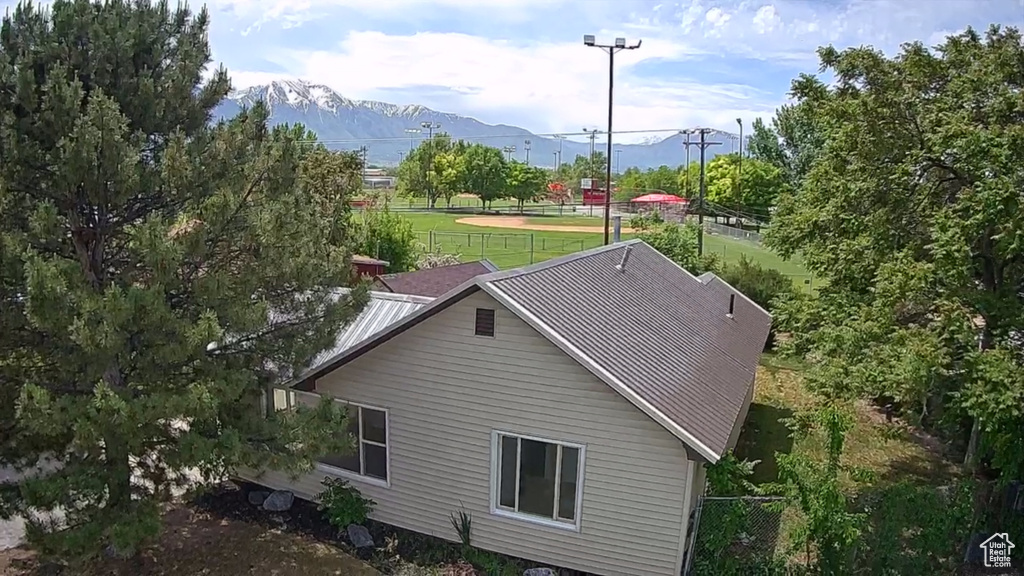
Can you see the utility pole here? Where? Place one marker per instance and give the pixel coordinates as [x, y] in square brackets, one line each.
[527, 147]
[687, 144]
[739, 165]
[401, 157]
[592, 134]
[429, 127]
[362, 153]
[703, 144]
[611, 49]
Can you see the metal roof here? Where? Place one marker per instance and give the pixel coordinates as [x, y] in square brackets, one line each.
[656, 334]
[382, 310]
[435, 282]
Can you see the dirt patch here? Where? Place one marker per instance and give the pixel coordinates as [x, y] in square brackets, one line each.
[195, 543]
[523, 224]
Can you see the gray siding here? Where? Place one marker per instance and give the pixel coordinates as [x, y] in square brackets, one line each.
[447, 390]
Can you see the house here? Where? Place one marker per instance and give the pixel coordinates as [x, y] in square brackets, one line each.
[433, 282]
[568, 406]
[367, 266]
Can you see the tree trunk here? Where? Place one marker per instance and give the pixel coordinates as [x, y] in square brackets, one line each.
[971, 457]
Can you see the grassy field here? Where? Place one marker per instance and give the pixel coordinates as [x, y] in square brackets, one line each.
[509, 248]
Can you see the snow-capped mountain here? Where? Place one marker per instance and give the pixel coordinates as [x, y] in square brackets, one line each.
[343, 123]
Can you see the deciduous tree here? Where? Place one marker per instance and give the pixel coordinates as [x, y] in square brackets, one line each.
[485, 172]
[525, 183]
[157, 272]
[912, 214]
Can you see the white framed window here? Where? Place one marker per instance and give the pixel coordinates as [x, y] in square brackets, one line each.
[537, 479]
[371, 460]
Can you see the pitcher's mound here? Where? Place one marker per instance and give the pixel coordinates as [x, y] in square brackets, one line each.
[522, 224]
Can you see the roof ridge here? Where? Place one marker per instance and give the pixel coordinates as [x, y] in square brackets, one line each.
[546, 264]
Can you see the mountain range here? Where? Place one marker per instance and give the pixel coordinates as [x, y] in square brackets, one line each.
[346, 124]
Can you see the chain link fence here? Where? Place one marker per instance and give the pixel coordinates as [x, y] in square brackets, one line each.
[733, 232]
[505, 250]
[736, 536]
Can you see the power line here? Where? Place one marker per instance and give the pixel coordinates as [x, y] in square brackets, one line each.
[586, 134]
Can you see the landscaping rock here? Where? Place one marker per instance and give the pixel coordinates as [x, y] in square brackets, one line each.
[539, 572]
[279, 501]
[258, 497]
[359, 536]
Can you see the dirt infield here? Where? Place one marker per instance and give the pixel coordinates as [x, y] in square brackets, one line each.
[522, 224]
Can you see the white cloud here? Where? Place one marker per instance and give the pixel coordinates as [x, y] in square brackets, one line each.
[556, 86]
[292, 13]
[791, 30]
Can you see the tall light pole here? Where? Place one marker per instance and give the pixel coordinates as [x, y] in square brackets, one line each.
[611, 49]
[618, 154]
[558, 162]
[526, 146]
[412, 138]
[555, 163]
[508, 150]
[429, 127]
[739, 166]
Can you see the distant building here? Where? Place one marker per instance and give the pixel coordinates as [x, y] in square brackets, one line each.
[377, 178]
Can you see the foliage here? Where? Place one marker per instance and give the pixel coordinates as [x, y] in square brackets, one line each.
[916, 530]
[765, 286]
[751, 184]
[386, 235]
[730, 476]
[634, 182]
[678, 242]
[911, 213]
[436, 259]
[432, 170]
[827, 526]
[342, 503]
[486, 173]
[153, 268]
[525, 183]
[463, 525]
[791, 143]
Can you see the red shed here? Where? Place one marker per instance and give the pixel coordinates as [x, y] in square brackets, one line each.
[369, 266]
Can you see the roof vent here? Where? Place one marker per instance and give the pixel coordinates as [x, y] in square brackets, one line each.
[625, 258]
[732, 305]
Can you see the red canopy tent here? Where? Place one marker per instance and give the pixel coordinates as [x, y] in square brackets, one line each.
[662, 198]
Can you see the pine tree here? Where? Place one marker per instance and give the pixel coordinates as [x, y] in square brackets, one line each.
[157, 271]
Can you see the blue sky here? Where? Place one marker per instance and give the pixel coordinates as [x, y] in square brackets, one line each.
[522, 62]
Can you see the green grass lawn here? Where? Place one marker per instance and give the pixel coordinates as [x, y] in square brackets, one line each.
[510, 248]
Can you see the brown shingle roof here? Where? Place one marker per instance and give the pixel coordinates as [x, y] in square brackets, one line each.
[656, 334]
[433, 282]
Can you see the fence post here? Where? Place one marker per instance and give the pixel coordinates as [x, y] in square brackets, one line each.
[482, 245]
[691, 547]
[531, 248]
[430, 240]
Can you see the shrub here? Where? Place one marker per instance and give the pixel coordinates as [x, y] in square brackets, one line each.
[343, 504]
[765, 286]
[679, 244]
[386, 235]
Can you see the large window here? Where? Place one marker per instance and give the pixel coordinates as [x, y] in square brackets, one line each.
[537, 479]
[367, 425]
